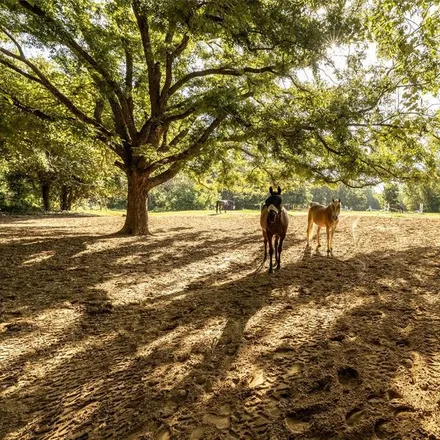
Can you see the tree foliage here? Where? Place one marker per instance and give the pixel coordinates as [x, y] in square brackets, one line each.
[391, 194]
[217, 88]
[427, 194]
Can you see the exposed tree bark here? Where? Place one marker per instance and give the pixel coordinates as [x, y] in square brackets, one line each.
[136, 221]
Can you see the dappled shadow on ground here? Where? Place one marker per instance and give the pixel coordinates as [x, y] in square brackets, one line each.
[178, 335]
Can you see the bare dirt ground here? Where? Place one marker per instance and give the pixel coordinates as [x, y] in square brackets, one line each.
[175, 336]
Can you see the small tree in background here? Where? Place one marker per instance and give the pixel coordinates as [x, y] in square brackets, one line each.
[391, 194]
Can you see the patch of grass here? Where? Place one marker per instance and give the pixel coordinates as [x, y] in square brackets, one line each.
[103, 212]
[241, 212]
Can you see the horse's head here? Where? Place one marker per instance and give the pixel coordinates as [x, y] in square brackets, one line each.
[273, 203]
[335, 207]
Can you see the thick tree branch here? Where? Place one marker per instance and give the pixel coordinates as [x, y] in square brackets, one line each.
[326, 145]
[182, 115]
[170, 58]
[18, 70]
[218, 71]
[153, 68]
[129, 83]
[318, 136]
[166, 175]
[99, 108]
[145, 131]
[178, 137]
[17, 45]
[118, 118]
[330, 180]
[164, 145]
[378, 167]
[36, 112]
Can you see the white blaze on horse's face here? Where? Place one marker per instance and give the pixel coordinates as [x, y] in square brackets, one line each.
[336, 209]
[272, 213]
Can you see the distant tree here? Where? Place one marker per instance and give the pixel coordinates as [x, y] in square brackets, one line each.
[372, 198]
[391, 193]
[352, 198]
[300, 196]
[181, 194]
[322, 194]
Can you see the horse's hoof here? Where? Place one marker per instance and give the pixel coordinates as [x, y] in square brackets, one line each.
[318, 245]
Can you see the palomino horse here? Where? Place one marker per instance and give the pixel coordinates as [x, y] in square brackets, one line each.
[274, 221]
[324, 216]
[225, 205]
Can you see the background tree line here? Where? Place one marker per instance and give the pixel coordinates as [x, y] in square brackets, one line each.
[39, 181]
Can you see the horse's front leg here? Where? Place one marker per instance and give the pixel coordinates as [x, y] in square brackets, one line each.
[265, 249]
[270, 253]
[276, 252]
[318, 236]
[280, 248]
[332, 233]
[327, 228]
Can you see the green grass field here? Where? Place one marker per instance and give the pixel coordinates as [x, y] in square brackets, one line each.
[207, 212]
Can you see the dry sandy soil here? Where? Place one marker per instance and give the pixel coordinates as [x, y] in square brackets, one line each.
[177, 336]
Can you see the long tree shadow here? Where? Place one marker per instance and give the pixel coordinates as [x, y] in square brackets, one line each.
[323, 349]
[39, 274]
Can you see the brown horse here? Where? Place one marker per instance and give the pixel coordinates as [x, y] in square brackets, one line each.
[324, 216]
[274, 221]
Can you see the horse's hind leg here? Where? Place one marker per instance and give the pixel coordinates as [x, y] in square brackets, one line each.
[318, 237]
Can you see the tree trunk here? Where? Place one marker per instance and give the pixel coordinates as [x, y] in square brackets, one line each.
[66, 198]
[69, 198]
[45, 191]
[136, 221]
